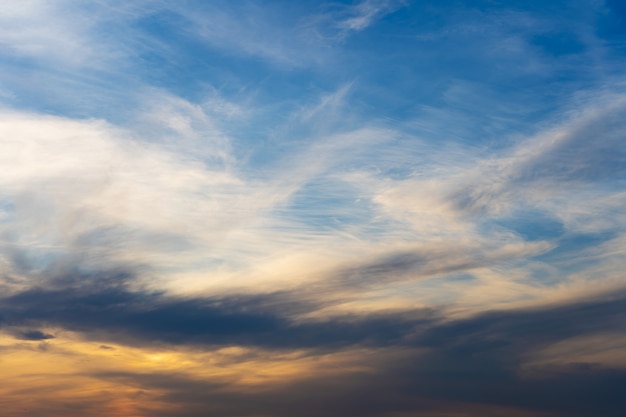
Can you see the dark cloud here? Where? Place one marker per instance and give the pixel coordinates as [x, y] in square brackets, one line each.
[480, 360]
[521, 330]
[457, 365]
[33, 335]
[421, 363]
[107, 309]
[469, 367]
[106, 347]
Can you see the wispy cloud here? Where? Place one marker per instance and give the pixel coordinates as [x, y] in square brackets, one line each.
[365, 13]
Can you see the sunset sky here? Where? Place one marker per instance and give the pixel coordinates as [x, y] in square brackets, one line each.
[274, 208]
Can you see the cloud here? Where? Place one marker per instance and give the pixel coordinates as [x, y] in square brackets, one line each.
[113, 195]
[97, 187]
[565, 154]
[34, 335]
[472, 366]
[101, 306]
[365, 13]
[38, 29]
[476, 361]
[69, 34]
[270, 33]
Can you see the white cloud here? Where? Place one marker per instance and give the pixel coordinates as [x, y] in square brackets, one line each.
[59, 31]
[250, 30]
[85, 186]
[365, 13]
[86, 191]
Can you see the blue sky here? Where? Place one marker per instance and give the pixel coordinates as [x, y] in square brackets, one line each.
[264, 199]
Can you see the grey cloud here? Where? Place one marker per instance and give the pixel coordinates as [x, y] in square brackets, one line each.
[102, 305]
[424, 364]
[402, 266]
[33, 335]
[470, 367]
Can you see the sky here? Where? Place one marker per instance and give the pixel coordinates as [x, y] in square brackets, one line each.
[368, 208]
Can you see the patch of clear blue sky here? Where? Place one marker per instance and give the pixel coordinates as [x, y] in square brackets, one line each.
[533, 224]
